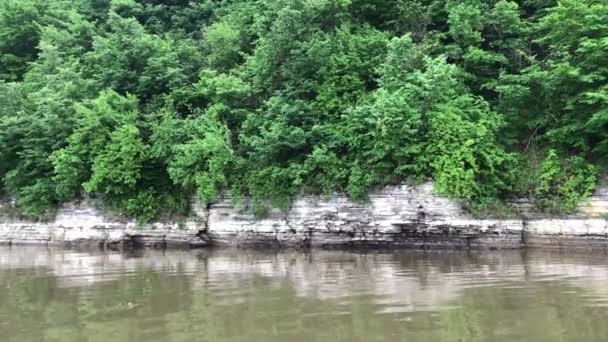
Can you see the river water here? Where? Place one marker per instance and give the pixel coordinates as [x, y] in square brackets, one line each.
[242, 295]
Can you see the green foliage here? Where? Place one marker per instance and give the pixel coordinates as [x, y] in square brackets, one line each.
[106, 155]
[144, 205]
[116, 169]
[465, 22]
[129, 59]
[19, 36]
[559, 185]
[224, 44]
[562, 97]
[37, 117]
[204, 159]
[143, 103]
[467, 162]
[96, 144]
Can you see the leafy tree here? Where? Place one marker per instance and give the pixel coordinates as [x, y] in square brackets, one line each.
[19, 36]
[559, 184]
[203, 161]
[143, 103]
[95, 155]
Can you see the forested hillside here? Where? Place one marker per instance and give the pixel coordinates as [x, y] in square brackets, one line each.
[143, 103]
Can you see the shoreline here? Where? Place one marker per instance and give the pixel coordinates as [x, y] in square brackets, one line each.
[399, 217]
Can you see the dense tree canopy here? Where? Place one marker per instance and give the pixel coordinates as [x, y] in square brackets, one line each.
[144, 103]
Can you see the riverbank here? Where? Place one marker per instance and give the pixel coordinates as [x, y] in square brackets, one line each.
[395, 217]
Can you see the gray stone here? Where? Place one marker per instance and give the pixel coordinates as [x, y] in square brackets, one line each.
[83, 224]
[394, 217]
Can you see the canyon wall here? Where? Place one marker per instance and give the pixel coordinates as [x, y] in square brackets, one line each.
[395, 217]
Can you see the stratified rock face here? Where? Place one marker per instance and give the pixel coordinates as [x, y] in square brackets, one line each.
[396, 217]
[570, 233]
[402, 216]
[85, 225]
[585, 229]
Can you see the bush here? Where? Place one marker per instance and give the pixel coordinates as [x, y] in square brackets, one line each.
[559, 184]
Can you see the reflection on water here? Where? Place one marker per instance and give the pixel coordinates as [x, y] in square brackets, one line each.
[230, 295]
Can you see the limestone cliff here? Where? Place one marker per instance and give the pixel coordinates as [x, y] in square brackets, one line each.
[403, 216]
[84, 224]
[395, 217]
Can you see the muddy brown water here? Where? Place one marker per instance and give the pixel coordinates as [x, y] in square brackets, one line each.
[242, 295]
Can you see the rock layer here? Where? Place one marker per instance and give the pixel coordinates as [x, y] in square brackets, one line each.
[82, 224]
[403, 216]
[395, 217]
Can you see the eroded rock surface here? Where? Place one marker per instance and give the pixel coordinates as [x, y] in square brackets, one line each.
[82, 224]
[396, 217]
[402, 216]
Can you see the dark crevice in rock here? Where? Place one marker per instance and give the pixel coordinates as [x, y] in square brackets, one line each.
[523, 237]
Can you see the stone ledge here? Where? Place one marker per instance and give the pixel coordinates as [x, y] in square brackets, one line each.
[395, 217]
